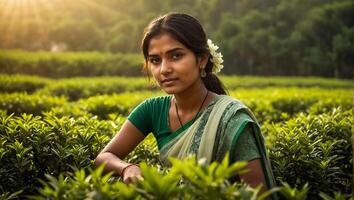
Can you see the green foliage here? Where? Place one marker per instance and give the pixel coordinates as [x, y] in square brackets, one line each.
[29, 103]
[258, 38]
[240, 82]
[77, 88]
[337, 196]
[7, 195]
[21, 83]
[103, 106]
[156, 185]
[32, 146]
[69, 64]
[280, 104]
[313, 149]
[293, 193]
[146, 152]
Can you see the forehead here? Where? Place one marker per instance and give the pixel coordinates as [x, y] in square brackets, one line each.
[163, 43]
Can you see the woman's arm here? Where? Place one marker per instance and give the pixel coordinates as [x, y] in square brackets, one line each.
[117, 149]
[256, 176]
[246, 149]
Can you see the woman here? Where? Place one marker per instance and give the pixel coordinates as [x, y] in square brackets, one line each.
[196, 117]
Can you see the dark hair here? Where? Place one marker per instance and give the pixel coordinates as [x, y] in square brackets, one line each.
[188, 31]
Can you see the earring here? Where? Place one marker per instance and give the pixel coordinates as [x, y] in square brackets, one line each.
[203, 73]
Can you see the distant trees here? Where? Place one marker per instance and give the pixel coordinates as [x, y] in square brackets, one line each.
[291, 38]
[259, 37]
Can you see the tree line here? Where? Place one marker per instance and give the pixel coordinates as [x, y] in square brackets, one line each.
[256, 37]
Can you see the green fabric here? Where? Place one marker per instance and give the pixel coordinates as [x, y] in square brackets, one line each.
[151, 116]
[246, 148]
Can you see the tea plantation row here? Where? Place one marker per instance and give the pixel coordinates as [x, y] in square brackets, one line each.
[269, 104]
[69, 64]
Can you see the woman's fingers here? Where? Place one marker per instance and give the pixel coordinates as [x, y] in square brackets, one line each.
[140, 178]
[133, 179]
[132, 174]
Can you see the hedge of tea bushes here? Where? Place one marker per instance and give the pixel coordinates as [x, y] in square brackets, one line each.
[69, 64]
[314, 149]
[22, 83]
[84, 87]
[101, 106]
[276, 106]
[279, 104]
[187, 179]
[32, 146]
[236, 82]
[79, 88]
[199, 182]
[268, 104]
[104, 105]
[36, 104]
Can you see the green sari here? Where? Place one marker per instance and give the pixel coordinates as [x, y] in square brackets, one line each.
[212, 129]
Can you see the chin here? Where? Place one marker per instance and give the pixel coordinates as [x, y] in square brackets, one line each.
[168, 91]
[171, 90]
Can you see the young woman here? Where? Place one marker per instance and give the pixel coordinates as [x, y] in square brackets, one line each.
[196, 117]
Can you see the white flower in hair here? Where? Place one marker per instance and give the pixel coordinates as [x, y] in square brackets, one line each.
[217, 57]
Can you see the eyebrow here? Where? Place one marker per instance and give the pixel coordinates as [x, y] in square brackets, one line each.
[168, 52]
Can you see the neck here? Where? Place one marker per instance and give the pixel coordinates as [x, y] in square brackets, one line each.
[190, 100]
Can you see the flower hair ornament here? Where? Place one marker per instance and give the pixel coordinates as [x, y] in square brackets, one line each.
[216, 58]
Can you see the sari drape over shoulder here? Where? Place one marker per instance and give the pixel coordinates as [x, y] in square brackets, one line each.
[216, 132]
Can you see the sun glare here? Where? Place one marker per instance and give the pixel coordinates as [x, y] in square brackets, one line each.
[23, 17]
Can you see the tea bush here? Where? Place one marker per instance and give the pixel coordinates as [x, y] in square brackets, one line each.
[237, 82]
[186, 179]
[103, 106]
[21, 83]
[314, 149]
[29, 103]
[69, 64]
[32, 146]
[280, 104]
[269, 104]
[78, 88]
[199, 182]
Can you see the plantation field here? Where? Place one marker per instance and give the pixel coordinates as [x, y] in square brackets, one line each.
[51, 130]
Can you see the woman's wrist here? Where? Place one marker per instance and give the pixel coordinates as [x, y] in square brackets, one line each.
[125, 168]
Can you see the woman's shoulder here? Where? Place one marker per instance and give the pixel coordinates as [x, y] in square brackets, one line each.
[232, 100]
[155, 103]
[158, 100]
[237, 108]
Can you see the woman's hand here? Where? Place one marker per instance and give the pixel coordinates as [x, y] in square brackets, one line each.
[131, 173]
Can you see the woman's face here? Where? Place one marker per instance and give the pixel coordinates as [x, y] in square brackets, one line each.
[174, 66]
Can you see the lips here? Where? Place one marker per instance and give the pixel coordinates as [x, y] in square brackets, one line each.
[169, 80]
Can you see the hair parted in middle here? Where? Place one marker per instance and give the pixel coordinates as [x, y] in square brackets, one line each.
[188, 31]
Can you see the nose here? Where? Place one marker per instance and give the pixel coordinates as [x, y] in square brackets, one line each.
[165, 67]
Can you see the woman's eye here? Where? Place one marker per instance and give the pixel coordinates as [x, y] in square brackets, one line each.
[176, 56]
[154, 60]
